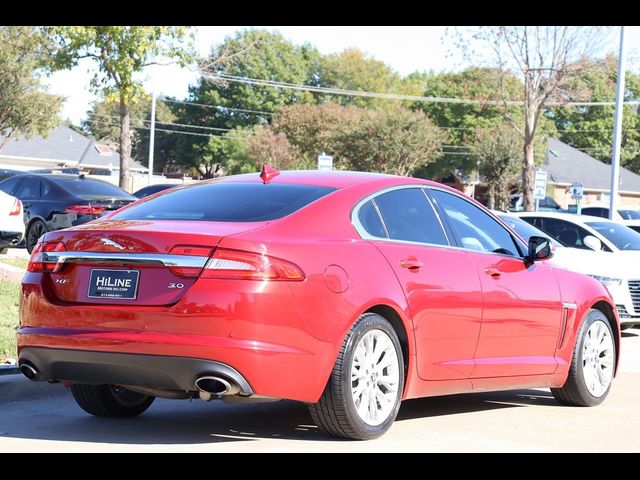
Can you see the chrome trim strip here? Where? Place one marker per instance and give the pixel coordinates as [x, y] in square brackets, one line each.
[570, 306]
[166, 260]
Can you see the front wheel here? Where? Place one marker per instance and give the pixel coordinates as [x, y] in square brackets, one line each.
[592, 364]
[110, 400]
[363, 394]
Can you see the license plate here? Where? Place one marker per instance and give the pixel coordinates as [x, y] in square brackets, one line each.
[114, 284]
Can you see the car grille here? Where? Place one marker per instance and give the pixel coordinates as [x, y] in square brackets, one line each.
[634, 290]
[622, 312]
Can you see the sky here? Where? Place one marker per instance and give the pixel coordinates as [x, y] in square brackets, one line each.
[406, 49]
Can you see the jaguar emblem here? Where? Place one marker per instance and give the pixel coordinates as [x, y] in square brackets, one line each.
[106, 241]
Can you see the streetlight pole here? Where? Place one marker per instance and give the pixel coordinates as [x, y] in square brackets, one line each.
[617, 129]
[152, 133]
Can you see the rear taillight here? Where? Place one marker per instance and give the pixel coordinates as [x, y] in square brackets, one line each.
[86, 209]
[17, 208]
[37, 263]
[192, 251]
[241, 265]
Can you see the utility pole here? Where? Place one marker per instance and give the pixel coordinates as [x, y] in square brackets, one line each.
[617, 129]
[152, 133]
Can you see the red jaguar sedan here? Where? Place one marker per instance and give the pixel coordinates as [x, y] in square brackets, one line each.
[348, 291]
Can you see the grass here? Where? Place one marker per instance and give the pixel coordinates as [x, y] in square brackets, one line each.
[16, 262]
[9, 294]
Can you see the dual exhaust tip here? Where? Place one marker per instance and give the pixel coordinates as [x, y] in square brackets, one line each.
[210, 385]
[30, 371]
[217, 386]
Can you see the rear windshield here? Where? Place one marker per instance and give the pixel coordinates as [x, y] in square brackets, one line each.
[84, 187]
[226, 202]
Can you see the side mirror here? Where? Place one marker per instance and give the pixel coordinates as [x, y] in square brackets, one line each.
[593, 243]
[539, 249]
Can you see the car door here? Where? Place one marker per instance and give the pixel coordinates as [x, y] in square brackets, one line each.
[440, 283]
[522, 308]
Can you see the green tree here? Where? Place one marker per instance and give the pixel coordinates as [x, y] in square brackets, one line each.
[498, 151]
[460, 120]
[120, 52]
[590, 128]
[354, 70]
[102, 123]
[546, 59]
[397, 141]
[25, 108]
[266, 146]
[229, 105]
[314, 129]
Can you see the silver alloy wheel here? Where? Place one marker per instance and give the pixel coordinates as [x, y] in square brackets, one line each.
[375, 377]
[597, 359]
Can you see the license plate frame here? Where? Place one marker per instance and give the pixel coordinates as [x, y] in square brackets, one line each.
[113, 290]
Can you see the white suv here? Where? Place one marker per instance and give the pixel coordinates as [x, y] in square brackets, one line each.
[616, 259]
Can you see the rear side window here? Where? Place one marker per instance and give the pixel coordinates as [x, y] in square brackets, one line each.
[370, 220]
[408, 216]
[227, 202]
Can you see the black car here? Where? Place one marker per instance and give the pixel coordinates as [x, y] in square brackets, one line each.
[151, 189]
[53, 202]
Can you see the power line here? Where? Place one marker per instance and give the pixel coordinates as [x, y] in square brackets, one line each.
[217, 107]
[240, 132]
[394, 96]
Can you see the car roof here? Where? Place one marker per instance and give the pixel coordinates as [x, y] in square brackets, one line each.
[571, 217]
[336, 178]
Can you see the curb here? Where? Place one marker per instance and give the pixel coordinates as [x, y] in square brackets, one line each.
[11, 273]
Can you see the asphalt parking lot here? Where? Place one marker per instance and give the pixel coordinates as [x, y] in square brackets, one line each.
[42, 417]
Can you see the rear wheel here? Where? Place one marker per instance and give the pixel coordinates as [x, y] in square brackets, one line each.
[592, 365]
[36, 229]
[110, 400]
[363, 394]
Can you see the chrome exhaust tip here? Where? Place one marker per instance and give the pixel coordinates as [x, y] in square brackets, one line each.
[216, 386]
[30, 371]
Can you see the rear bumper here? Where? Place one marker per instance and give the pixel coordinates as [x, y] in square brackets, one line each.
[152, 371]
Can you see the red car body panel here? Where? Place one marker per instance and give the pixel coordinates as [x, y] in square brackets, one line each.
[462, 328]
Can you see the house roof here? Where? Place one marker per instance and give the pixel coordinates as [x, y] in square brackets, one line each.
[64, 144]
[566, 164]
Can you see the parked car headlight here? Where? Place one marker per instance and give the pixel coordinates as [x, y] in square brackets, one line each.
[608, 281]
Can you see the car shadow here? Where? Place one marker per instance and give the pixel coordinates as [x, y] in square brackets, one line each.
[628, 334]
[174, 422]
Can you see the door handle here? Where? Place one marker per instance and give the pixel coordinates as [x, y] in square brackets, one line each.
[494, 272]
[412, 263]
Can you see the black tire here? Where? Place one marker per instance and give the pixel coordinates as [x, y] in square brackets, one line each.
[110, 401]
[575, 392]
[3, 250]
[35, 230]
[335, 413]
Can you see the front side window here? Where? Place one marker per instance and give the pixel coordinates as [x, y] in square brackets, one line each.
[475, 229]
[29, 188]
[409, 217]
[567, 233]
